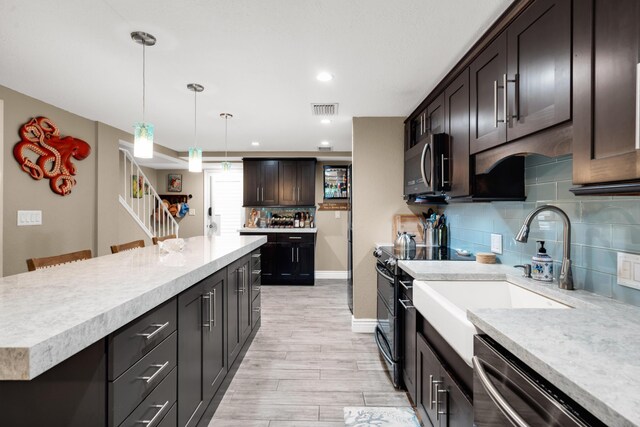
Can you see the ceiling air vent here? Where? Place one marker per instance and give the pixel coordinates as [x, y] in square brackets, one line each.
[324, 148]
[324, 109]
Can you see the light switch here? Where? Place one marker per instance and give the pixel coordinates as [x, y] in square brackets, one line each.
[337, 214]
[29, 218]
[192, 212]
[496, 243]
[629, 270]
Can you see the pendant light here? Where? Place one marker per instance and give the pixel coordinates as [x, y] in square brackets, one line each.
[195, 153]
[143, 131]
[226, 165]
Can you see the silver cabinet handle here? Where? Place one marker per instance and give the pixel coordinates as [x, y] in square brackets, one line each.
[256, 272]
[516, 80]
[256, 310]
[293, 191]
[295, 238]
[156, 373]
[212, 310]
[403, 302]
[206, 323]
[442, 159]
[292, 258]
[158, 326]
[405, 286]
[298, 254]
[504, 97]
[440, 391]
[150, 422]
[258, 194]
[255, 255]
[495, 103]
[241, 270]
[432, 383]
[495, 395]
[263, 194]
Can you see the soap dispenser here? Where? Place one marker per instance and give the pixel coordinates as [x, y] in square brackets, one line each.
[542, 265]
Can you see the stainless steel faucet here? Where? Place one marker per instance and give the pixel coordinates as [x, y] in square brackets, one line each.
[566, 278]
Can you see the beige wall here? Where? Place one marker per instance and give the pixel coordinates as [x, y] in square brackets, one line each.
[378, 162]
[192, 183]
[331, 240]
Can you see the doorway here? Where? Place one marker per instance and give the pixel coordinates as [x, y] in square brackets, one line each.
[224, 214]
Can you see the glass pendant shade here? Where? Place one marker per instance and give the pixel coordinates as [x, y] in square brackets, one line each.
[195, 159]
[226, 166]
[143, 140]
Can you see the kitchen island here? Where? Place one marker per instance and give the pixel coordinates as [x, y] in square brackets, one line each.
[67, 320]
[588, 351]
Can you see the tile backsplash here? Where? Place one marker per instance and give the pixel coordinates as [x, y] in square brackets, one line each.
[600, 227]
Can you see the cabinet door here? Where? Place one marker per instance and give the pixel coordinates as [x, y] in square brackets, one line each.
[269, 262]
[435, 115]
[244, 304]
[269, 185]
[251, 183]
[606, 57]
[191, 394]
[409, 320]
[454, 406]
[286, 264]
[305, 263]
[288, 182]
[428, 380]
[487, 73]
[539, 68]
[232, 297]
[306, 185]
[214, 349]
[456, 119]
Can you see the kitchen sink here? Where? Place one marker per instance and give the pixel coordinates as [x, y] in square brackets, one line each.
[445, 303]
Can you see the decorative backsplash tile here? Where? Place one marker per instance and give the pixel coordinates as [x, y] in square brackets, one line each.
[601, 226]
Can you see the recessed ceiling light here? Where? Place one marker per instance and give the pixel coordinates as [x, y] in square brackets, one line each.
[325, 121]
[324, 76]
[325, 143]
[255, 143]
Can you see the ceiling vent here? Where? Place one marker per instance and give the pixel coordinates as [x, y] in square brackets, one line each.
[324, 109]
[324, 148]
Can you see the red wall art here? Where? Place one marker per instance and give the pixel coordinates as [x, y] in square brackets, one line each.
[42, 153]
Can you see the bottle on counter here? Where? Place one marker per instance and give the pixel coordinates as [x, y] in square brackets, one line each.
[296, 220]
[542, 265]
[311, 221]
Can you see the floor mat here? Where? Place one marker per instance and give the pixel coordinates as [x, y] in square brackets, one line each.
[379, 416]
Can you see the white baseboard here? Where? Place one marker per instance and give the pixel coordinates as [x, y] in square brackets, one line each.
[363, 326]
[329, 274]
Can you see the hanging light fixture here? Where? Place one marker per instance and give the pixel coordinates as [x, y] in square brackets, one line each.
[195, 153]
[143, 131]
[226, 165]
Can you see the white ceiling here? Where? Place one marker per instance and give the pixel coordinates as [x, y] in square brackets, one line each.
[257, 59]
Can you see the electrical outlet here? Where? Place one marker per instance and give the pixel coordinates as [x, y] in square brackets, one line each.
[192, 212]
[337, 214]
[29, 218]
[496, 243]
[629, 270]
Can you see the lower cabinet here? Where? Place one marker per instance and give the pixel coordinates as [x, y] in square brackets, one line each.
[201, 347]
[238, 306]
[439, 398]
[408, 316]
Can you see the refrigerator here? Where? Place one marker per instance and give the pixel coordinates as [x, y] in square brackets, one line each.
[350, 241]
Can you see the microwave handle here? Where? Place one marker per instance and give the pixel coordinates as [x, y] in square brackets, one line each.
[424, 173]
[495, 395]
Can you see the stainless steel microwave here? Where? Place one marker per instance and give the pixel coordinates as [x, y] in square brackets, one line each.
[426, 167]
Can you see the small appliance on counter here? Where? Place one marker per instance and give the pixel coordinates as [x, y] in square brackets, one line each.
[542, 265]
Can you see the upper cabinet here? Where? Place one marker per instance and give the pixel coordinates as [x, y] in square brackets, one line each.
[521, 82]
[456, 124]
[297, 182]
[435, 116]
[260, 182]
[605, 96]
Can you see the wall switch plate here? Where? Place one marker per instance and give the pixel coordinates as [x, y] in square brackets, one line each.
[629, 270]
[192, 212]
[496, 243]
[29, 218]
[337, 214]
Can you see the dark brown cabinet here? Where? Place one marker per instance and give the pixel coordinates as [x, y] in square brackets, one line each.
[238, 306]
[268, 266]
[260, 182]
[201, 347]
[297, 182]
[295, 259]
[435, 115]
[605, 94]
[456, 125]
[521, 82]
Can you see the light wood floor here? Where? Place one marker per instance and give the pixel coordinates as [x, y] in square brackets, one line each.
[305, 364]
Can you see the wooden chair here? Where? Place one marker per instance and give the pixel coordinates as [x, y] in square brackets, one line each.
[46, 262]
[155, 240]
[127, 246]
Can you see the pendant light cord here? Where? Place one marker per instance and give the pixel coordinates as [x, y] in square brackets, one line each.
[195, 119]
[143, 81]
[226, 121]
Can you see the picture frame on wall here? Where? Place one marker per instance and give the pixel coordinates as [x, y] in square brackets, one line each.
[336, 182]
[174, 183]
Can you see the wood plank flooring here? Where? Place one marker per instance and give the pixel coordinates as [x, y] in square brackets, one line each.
[305, 364]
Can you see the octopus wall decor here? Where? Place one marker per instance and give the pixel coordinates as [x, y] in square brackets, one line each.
[42, 153]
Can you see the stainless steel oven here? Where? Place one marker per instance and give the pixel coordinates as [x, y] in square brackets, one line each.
[426, 167]
[386, 328]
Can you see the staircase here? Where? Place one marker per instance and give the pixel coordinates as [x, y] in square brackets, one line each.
[142, 202]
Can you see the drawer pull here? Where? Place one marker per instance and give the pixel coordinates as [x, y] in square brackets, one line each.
[156, 373]
[150, 422]
[255, 255]
[256, 310]
[256, 272]
[405, 285]
[295, 238]
[156, 332]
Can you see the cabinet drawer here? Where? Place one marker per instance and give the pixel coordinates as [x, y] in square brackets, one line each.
[256, 311]
[136, 383]
[131, 342]
[157, 406]
[256, 259]
[296, 238]
[255, 288]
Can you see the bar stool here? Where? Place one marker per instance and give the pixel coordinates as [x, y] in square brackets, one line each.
[47, 262]
[155, 240]
[127, 246]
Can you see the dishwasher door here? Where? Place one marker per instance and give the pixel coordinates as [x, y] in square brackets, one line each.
[504, 394]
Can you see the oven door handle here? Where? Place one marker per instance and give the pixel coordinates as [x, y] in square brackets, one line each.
[380, 272]
[495, 395]
[379, 344]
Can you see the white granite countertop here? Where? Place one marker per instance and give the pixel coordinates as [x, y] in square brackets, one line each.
[589, 352]
[278, 230]
[48, 315]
